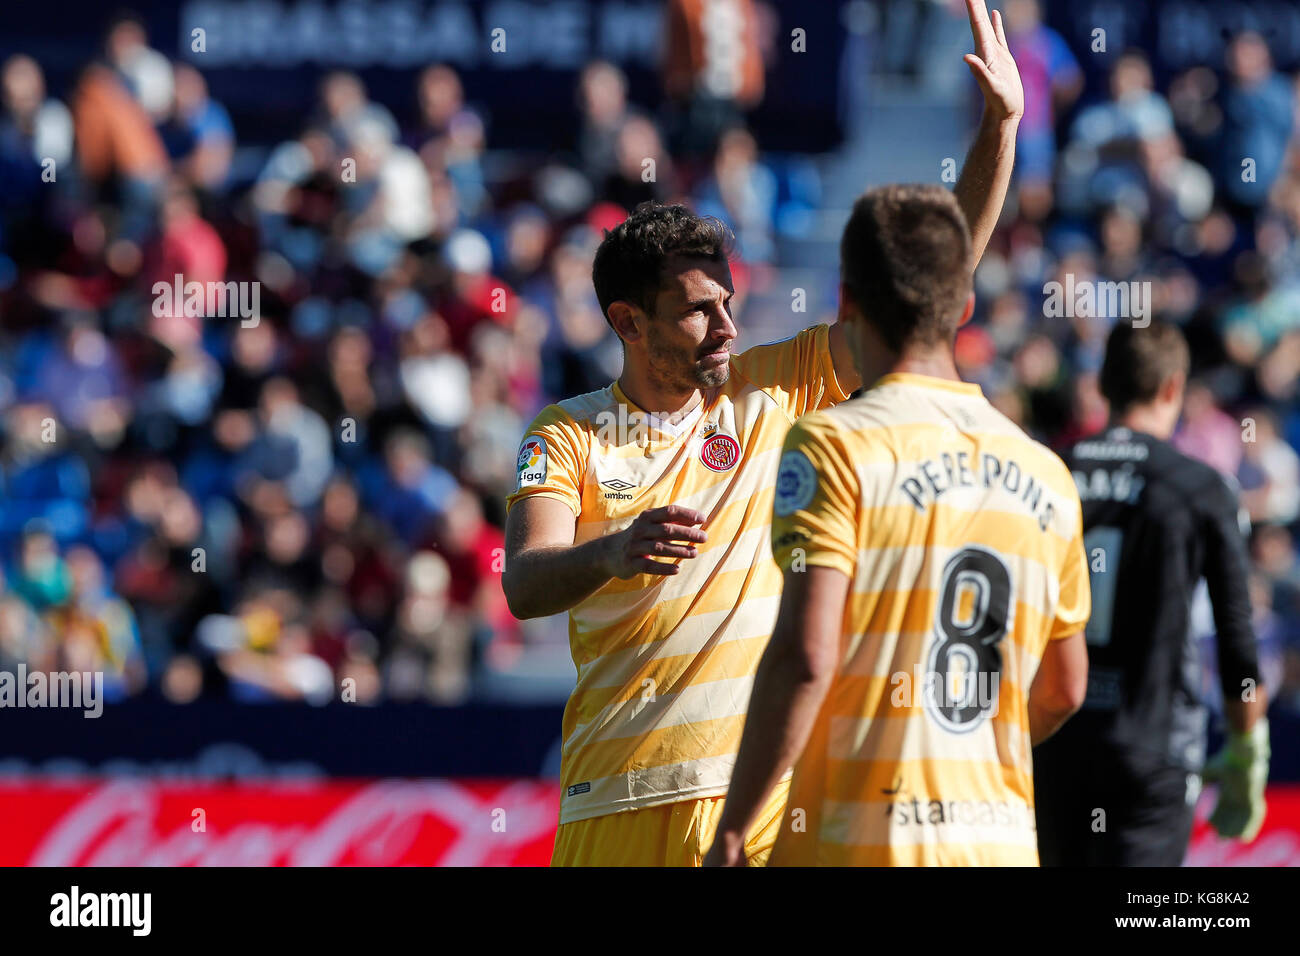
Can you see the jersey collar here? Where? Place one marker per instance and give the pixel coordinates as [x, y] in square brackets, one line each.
[662, 425]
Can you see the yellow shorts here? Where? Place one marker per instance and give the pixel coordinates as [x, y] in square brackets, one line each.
[674, 834]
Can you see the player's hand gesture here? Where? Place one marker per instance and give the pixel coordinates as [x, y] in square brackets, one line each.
[668, 532]
[1241, 771]
[995, 70]
[728, 850]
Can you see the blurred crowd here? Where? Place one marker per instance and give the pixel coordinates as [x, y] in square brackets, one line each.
[307, 502]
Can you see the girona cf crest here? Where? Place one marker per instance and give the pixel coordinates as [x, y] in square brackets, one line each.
[720, 453]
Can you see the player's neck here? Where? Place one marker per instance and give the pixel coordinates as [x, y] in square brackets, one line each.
[875, 359]
[933, 363]
[669, 404]
[1148, 419]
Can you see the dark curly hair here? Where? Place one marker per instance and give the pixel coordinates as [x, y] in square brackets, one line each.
[630, 261]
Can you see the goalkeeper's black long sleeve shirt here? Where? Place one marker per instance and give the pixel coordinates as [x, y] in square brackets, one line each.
[1156, 522]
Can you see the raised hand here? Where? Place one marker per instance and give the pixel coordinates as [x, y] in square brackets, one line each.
[992, 64]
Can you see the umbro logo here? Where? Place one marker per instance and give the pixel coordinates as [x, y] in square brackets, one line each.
[618, 489]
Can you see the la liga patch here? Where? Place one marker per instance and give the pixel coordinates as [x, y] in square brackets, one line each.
[796, 483]
[532, 461]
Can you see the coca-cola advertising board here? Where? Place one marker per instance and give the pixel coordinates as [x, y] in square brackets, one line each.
[142, 822]
[139, 822]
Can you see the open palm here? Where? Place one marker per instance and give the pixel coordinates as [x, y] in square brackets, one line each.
[992, 63]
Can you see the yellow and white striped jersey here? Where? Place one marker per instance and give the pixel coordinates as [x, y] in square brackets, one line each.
[665, 665]
[962, 539]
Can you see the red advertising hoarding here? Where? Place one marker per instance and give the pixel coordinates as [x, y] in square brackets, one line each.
[1278, 843]
[142, 822]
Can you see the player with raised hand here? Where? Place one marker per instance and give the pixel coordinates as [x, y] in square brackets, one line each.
[644, 511]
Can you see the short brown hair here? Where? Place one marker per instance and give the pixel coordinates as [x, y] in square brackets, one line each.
[1139, 361]
[906, 260]
[630, 260]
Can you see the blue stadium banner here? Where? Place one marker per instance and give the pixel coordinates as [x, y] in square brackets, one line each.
[221, 739]
[264, 59]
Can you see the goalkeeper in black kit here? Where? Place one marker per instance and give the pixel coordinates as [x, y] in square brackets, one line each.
[1117, 785]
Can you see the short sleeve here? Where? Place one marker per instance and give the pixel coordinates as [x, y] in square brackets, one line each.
[798, 372]
[551, 461]
[1074, 603]
[815, 503]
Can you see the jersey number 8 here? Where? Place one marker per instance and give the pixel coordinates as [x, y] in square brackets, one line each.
[964, 666]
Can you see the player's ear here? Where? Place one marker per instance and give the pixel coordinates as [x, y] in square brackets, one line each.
[623, 316]
[968, 311]
[1171, 390]
[848, 308]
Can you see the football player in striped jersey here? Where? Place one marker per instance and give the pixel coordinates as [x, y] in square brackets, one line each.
[936, 588]
[644, 509]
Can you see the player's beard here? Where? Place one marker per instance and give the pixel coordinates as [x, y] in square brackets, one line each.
[681, 370]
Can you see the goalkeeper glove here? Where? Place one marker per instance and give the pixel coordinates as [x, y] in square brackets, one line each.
[1241, 771]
